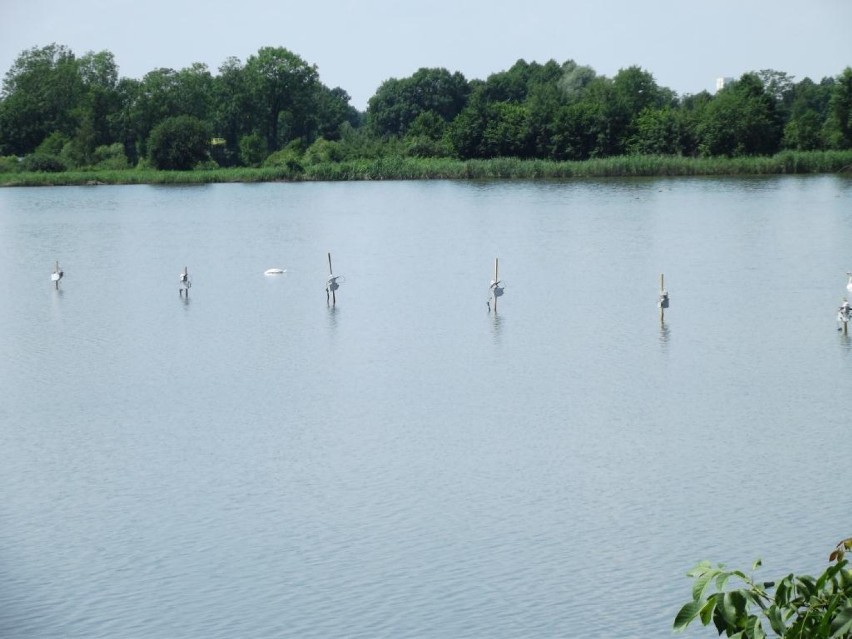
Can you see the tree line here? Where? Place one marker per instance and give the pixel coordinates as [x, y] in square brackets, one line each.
[61, 111]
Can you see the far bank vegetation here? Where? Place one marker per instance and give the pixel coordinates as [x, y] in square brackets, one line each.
[68, 119]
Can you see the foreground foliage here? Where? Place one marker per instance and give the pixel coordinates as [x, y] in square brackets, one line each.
[795, 607]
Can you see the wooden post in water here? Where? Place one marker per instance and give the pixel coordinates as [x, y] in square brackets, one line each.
[495, 289]
[663, 302]
[331, 284]
[496, 279]
[184, 282]
[57, 275]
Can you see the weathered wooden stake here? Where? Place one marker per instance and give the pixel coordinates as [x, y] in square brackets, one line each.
[331, 284]
[184, 282]
[495, 289]
[663, 302]
[57, 275]
[496, 279]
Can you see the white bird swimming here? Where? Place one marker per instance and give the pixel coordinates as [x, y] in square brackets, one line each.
[849, 282]
[275, 271]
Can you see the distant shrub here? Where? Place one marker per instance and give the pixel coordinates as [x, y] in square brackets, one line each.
[206, 165]
[253, 149]
[285, 158]
[111, 157]
[178, 143]
[52, 144]
[43, 163]
[9, 164]
[323, 151]
[423, 147]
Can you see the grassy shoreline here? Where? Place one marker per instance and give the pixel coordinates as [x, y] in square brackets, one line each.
[399, 168]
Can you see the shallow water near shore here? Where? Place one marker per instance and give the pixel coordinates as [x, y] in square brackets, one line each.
[253, 462]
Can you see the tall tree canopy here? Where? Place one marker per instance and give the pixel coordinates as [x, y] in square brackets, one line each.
[741, 120]
[398, 103]
[40, 95]
[74, 108]
[283, 87]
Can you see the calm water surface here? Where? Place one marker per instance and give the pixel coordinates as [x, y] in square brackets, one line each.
[253, 463]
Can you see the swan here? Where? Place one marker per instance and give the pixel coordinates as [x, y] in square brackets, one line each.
[849, 282]
[275, 271]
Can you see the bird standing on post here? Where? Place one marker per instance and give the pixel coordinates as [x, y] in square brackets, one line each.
[331, 284]
[496, 286]
[184, 282]
[57, 275]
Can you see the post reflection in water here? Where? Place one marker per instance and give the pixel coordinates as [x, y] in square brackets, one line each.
[496, 327]
[332, 317]
[665, 333]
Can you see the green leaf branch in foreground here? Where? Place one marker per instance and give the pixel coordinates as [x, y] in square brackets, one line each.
[795, 607]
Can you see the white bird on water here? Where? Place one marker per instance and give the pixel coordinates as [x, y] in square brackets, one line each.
[275, 271]
[57, 275]
[849, 282]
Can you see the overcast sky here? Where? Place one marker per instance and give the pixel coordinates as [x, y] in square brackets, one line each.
[358, 44]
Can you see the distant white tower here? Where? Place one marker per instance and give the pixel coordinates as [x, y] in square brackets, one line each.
[721, 83]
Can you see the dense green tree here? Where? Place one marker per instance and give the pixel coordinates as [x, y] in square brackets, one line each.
[53, 144]
[162, 94]
[427, 125]
[122, 123]
[282, 86]
[516, 83]
[179, 143]
[41, 93]
[111, 156]
[465, 134]
[542, 106]
[156, 100]
[43, 163]
[808, 110]
[398, 102]
[358, 143]
[691, 112]
[232, 108]
[253, 149]
[657, 132]
[741, 120]
[531, 110]
[631, 91]
[576, 130]
[780, 87]
[332, 110]
[99, 73]
[507, 132]
[323, 151]
[574, 80]
[509, 85]
[193, 89]
[838, 124]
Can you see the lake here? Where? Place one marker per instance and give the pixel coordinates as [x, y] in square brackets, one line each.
[252, 461]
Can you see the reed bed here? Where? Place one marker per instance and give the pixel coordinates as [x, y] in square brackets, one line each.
[405, 168]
